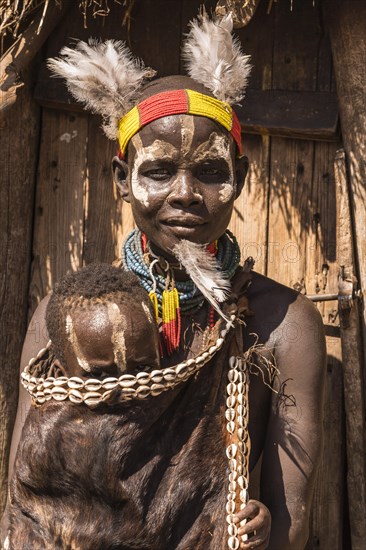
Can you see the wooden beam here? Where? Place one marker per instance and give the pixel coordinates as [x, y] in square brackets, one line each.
[354, 397]
[294, 114]
[303, 115]
[17, 58]
[346, 22]
[60, 201]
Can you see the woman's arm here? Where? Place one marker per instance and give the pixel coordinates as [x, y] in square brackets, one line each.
[36, 339]
[294, 435]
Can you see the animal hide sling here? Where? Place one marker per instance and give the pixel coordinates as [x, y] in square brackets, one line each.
[144, 475]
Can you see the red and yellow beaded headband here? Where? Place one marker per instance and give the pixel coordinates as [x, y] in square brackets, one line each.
[177, 102]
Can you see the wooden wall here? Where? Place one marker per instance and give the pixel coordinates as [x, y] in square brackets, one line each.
[285, 218]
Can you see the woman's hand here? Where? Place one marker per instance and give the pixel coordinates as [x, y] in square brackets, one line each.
[258, 526]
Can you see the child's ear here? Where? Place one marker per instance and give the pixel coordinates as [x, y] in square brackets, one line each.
[120, 176]
[61, 367]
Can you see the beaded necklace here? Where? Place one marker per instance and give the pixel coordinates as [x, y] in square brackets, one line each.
[170, 297]
[228, 255]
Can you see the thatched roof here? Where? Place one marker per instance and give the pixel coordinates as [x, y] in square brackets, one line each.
[16, 15]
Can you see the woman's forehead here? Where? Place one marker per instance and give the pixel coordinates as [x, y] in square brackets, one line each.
[185, 133]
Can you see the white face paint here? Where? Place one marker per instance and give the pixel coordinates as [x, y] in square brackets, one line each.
[218, 146]
[187, 133]
[159, 149]
[72, 338]
[226, 192]
[147, 312]
[118, 336]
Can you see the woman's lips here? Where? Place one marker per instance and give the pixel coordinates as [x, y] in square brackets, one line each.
[184, 228]
[186, 222]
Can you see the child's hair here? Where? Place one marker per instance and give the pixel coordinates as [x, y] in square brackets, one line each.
[93, 284]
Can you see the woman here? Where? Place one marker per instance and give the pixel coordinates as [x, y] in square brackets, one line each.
[180, 168]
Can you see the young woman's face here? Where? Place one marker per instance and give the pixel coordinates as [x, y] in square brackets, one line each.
[181, 180]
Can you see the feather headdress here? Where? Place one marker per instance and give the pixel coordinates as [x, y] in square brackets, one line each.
[104, 76]
[214, 58]
[107, 78]
[205, 272]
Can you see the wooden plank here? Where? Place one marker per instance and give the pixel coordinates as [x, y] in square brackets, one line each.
[305, 115]
[295, 55]
[290, 216]
[322, 267]
[128, 223]
[249, 220]
[154, 34]
[103, 219]
[257, 41]
[59, 209]
[354, 395]
[321, 277]
[329, 500]
[18, 157]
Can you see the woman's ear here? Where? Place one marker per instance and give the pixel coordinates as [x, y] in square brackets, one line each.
[120, 174]
[241, 169]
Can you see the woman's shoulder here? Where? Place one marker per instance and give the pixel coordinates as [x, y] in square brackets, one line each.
[265, 289]
[274, 304]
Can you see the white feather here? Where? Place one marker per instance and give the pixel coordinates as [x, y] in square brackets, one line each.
[214, 58]
[205, 272]
[104, 76]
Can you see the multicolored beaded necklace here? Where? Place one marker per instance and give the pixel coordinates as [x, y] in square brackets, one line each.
[170, 298]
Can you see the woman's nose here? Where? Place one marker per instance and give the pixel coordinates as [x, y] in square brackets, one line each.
[184, 191]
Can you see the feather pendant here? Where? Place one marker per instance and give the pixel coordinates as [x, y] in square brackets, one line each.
[205, 272]
[104, 76]
[214, 58]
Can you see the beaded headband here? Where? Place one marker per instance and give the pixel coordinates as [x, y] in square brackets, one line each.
[177, 102]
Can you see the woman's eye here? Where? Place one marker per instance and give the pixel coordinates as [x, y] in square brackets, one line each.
[212, 174]
[158, 174]
[210, 171]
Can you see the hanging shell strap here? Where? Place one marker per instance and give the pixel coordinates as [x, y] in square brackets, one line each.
[237, 452]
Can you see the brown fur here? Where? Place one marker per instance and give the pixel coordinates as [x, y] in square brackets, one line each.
[145, 475]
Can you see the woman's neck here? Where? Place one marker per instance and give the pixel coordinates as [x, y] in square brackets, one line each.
[155, 252]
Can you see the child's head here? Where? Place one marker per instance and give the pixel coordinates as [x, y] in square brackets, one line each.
[101, 323]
